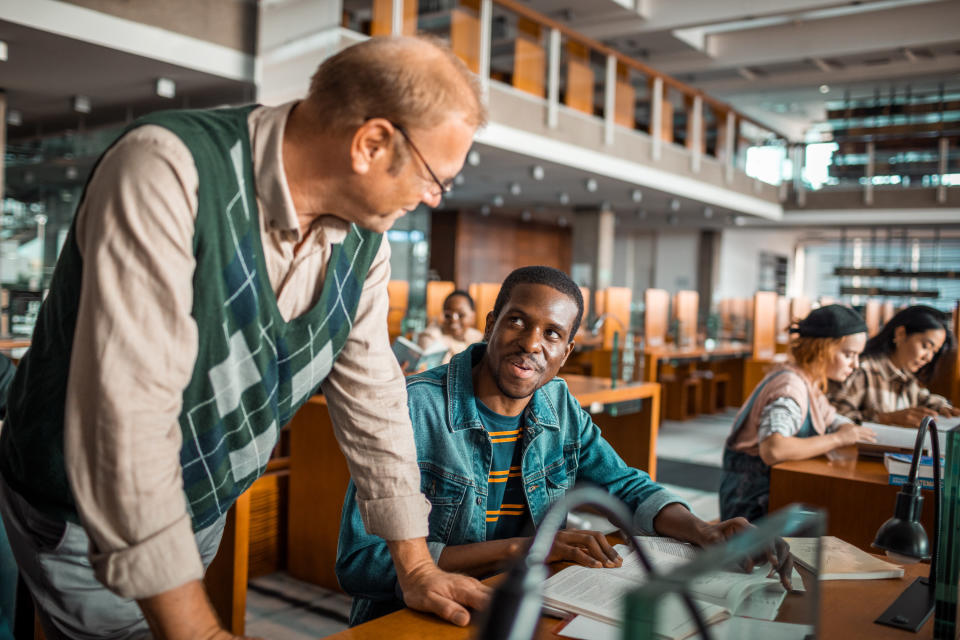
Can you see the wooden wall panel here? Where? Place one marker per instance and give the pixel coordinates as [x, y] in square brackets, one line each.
[465, 36]
[656, 304]
[484, 296]
[437, 292]
[625, 108]
[579, 93]
[616, 303]
[529, 59]
[488, 248]
[381, 23]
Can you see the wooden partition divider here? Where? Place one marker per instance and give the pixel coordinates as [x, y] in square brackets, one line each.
[579, 90]
[799, 308]
[529, 58]
[783, 321]
[656, 303]
[465, 33]
[585, 292]
[888, 312]
[381, 23]
[624, 111]
[764, 325]
[685, 307]
[616, 303]
[437, 292]
[398, 291]
[871, 315]
[484, 296]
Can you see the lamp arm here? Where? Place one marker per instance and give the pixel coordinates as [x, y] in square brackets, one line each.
[929, 424]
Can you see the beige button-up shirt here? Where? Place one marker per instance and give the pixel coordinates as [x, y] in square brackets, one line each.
[136, 342]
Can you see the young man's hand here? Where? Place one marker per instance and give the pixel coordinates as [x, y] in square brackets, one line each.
[428, 588]
[778, 555]
[589, 548]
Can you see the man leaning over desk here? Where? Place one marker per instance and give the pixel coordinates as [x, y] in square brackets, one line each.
[222, 266]
[500, 438]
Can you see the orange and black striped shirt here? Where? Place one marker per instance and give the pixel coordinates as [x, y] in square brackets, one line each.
[507, 512]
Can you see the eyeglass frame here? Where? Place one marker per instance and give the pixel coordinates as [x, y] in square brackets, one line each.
[444, 189]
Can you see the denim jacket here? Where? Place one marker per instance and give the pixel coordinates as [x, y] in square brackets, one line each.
[561, 446]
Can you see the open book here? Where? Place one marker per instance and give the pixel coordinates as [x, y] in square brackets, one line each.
[416, 357]
[599, 593]
[840, 560]
[896, 439]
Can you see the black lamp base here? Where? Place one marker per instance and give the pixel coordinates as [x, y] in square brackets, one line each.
[911, 609]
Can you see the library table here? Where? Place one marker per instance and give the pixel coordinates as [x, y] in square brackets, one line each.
[847, 610]
[319, 475]
[852, 490]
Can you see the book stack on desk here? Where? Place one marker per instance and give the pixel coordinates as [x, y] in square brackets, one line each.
[840, 560]
[598, 593]
[898, 468]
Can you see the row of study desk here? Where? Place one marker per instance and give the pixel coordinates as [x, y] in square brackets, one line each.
[847, 611]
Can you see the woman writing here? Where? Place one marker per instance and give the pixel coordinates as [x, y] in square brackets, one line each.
[788, 417]
[896, 364]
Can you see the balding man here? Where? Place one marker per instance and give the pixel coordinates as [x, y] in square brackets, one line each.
[222, 266]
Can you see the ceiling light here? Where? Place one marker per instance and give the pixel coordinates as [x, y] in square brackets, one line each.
[536, 172]
[166, 88]
[564, 197]
[497, 201]
[708, 212]
[71, 173]
[3, 51]
[526, 216]
[473, 158]
[459, 180]
[674, 205]
[590, 184]
[824, 88]
[636, 195]
[515, 189]
[485, 210]
[81, 104]
[14, 118]
[740, 221]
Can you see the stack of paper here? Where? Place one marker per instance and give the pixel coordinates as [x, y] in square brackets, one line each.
[901, 439]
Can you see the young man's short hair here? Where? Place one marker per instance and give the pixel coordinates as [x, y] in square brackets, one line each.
[549, 276]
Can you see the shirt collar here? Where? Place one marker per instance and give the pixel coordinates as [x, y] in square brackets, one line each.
[462, 404]
[266, 134]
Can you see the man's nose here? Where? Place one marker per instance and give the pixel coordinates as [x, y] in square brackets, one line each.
[530, 341]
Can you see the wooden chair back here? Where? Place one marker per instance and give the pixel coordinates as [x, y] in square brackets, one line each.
[685, 307]
[656, 303]
[764, 325]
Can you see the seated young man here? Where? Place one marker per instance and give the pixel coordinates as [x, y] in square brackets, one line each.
[499, 438]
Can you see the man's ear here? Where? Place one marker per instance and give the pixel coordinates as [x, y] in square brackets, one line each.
[570, 346]
[488, 330]
[371, 143]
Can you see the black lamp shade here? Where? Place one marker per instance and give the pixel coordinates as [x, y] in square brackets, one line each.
[903, 537]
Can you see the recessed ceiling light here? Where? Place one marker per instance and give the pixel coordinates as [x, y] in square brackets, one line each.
[636, 195]
[536, 172]
[80, 104]
[674, 204]
[590, 184]
[497, 201]
[563, 197]
[14, 118]
[824, 88]
[515, 189]
[459, 180]
[71, 173]
[473, 158]
[166, 88]
[708, 212]
[3, 51]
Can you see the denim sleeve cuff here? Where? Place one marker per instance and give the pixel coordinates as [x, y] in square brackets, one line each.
[649, 508]
[164, 561]
[396, 518]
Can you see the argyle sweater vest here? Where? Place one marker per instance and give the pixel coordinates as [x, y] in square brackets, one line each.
[253, 369]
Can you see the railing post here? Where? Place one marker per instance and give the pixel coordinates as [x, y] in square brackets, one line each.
[609, 99]
[942, 170]
[696, 135]
[656, 115]
[396, 18]
[553, 79]
[730, 145]
[784, 185]
[868, 190]
[486, 29]
[799, 153]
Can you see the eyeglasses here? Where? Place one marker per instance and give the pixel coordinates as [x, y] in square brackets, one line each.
[444, 188]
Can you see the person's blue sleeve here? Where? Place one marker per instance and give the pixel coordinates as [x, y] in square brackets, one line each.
[364, 566]
[600, 464]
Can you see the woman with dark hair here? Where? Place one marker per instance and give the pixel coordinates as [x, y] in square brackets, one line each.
[455, 328]
[896, 364]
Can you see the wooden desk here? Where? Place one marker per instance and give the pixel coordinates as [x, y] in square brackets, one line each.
[854, 493]
[319, 475]
[847, 610]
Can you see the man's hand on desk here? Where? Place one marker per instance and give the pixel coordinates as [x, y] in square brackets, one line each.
[779, 556]
[183, 613]
[589, 548]
[428, 588]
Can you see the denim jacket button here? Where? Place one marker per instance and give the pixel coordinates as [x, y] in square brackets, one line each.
[479, 500]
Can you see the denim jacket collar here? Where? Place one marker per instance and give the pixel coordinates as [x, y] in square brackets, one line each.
[461, 401]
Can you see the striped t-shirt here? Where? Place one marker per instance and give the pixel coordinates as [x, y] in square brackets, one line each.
[506, 503]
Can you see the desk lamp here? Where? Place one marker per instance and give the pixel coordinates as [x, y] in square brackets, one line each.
[515, 607]
[903, 538]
